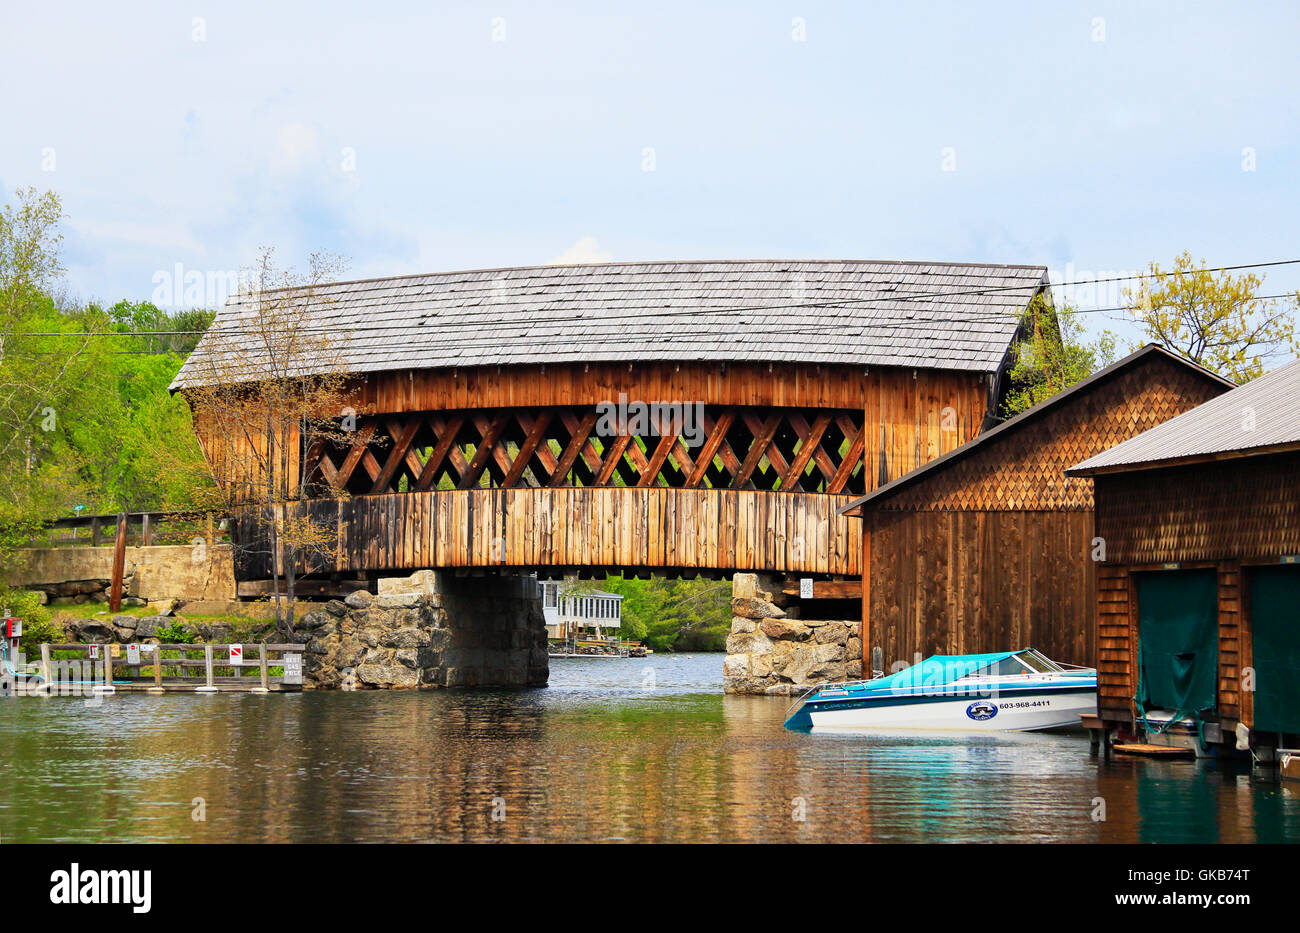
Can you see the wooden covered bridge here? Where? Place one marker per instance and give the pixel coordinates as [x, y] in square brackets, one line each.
[501, 415]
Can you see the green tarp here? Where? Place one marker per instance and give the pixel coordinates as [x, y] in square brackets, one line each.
[1178, 642]
[1275, 633]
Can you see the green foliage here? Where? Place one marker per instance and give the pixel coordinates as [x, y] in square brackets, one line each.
[1216, 320]
[84, 420]
[186, 326]
[38, 624]
[174, 633]
[1052, 356]
[674, 615]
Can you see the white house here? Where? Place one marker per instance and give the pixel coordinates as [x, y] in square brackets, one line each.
[570, 613]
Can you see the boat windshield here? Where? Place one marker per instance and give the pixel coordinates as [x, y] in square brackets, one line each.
[1038, 663]
[1028, 661]
[1007, 667]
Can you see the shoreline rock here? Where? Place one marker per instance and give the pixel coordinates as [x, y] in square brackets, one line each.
[770, 653]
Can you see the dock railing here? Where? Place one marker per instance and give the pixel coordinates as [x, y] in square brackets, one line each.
[86, 670]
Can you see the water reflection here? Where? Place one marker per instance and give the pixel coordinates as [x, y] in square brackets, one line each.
[643, 750]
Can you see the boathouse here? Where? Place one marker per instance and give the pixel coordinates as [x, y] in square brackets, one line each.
[1198, 594]
[573, 610]
[990, 546]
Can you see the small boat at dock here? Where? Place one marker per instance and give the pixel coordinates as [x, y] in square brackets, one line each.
[1009, 691]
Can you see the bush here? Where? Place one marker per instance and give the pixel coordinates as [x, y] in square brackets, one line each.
[174, 633]
[38, 624]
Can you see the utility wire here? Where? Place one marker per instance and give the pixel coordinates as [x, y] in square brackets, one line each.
[551, 339]
[462, 313]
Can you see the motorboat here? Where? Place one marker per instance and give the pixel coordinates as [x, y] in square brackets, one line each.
[1009, 691]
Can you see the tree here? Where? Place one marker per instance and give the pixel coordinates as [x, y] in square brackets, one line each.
[1053, 355]
[85, 414]
[1219, 321]
[268, 385]
[37, 371]
[675, 615]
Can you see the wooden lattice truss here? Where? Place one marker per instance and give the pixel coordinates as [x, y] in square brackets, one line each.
[736, 448]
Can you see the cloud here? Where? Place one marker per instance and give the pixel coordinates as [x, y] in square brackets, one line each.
[297, 148]
[584, 250]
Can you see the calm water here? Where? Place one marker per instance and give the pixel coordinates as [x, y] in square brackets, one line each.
[643, 750]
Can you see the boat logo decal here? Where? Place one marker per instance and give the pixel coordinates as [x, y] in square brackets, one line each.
[981, 710]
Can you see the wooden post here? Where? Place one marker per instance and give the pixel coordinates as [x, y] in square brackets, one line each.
[261, 658]
[146, 532]
[95, 537]
[108, 668]
[45, 667]
[119, 565]
[209, 686]
[864, 630]
[157, 668]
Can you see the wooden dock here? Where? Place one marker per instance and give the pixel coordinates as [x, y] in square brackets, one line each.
[99, 670]
[1154, 751]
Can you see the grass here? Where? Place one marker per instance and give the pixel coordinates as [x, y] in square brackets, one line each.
[242, 629]
[95, 610]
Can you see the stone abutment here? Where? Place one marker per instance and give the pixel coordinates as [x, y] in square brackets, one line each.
[432, 629]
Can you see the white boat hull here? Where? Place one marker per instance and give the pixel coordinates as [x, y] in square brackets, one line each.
[964, 713]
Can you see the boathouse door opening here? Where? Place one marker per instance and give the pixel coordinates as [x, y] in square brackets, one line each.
[1178, 642]
[1274, 605]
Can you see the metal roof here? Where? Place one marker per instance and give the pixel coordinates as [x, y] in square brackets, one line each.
[1260, 415]
[957, 316]
[977, 442]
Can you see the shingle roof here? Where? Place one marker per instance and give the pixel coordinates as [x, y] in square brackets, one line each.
[1260, 415]
[934, 315]
[1045, 407]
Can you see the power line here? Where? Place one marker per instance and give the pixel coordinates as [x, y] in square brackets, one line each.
[720, 310]
[542, 341]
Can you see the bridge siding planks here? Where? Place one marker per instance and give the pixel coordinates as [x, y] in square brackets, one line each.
[903, 408]
[655, 527]
[787, 386]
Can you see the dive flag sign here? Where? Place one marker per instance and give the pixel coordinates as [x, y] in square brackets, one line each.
[236, 655]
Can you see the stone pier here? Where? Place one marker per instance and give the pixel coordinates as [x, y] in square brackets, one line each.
[432, 629]
[771, 652]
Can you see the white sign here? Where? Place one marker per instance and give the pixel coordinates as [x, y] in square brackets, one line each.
[236, 655]
[132, 654]
[292, 668]
[805, 588]
[94, 651]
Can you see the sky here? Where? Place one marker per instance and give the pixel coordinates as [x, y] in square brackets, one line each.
[1089, 137]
